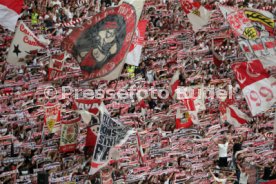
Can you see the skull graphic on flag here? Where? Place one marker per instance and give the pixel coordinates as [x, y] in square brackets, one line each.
[101, 44]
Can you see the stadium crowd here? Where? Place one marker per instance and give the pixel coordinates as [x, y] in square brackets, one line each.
[211, 150]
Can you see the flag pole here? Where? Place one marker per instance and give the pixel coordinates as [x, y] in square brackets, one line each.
[274, 131]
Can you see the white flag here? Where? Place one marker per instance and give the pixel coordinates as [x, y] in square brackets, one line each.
[24, 42]
[111, 134]
[258, 87]
[196, 13]
[9, 13]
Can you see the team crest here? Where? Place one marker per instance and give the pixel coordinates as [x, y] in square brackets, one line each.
[196, 12]
[251, 33]
[185, 117]
[242, 26]
[51, 124]
[69, 133]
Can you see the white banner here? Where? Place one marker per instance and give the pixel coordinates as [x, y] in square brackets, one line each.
[111, 133]
[24, 42]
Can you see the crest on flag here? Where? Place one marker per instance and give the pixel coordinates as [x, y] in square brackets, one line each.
[242, 26]
[183, 119]
[69, 135]
[263, 20]
[52, 117]
[196, 12]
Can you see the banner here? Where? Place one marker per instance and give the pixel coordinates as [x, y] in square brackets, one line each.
[111, 133]
[255, 29]
[259, 48]
[264, 20]
[23, 43]
[240, 24]
[183, 119]
[69, 135]
[101, 44]
[257, 86]
[197, 14]
[193, 97]
[135, 50]
[56, 66]
[90, 105]
[52, 116]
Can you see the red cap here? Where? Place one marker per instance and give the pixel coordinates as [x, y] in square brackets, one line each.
[110, 25]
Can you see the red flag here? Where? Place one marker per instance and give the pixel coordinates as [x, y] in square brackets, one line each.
[256, 84]
[217, 61]
[91, 136]
[56, 66]
[189, 104]
[9, 13]
[52, 117]
[236, 117]
[92, 130]
[135, 50]
[183, 120]
[269, 182]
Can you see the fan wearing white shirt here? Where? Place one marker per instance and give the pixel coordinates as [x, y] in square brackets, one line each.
[222, 178]
[223, 147]
[243, 175]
